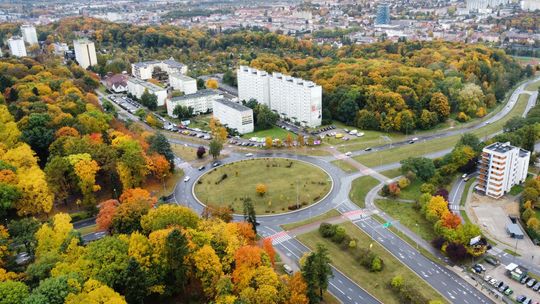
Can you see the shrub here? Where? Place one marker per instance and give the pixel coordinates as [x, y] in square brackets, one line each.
[462, 117]
[397, 282]
[222, 178]
[456, 252]
[442, 192]
[404, 182]
[201, 151]
[427, 188]
[385, 191]
[438, 242]
[339, 236]
[393, 190]
[352, 244]
[327, 230]
[376, 264]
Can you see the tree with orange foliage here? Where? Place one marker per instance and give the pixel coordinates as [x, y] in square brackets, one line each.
[221, 212]
[106, 214]
[212, 84]
[159, 166]
[297, 288]
[67, 131]
[436, 208]
[269, 248]
[246, 231]
[451, 220]
[137, 194]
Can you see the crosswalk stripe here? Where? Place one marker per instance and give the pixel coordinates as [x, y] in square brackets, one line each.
[280, 237]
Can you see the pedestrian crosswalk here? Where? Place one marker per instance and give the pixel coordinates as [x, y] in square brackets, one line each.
[355, 214]
[454, 207]
[280, 237]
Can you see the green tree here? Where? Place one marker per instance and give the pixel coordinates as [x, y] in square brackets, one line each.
[471, 140]
[529, 138]
[230, 78]
[60, 177]
[317, 273]
[149, 100]
[38, 134]
[176, 252]
[134, 283]
[23, 232]
[107, 259]
[53, 290]
[249, 214]
[422, 167]
[183, 112]
[347, 110]
[9, 194]
[12, 292]
[215, 148]
[266, 118]
[159, 144]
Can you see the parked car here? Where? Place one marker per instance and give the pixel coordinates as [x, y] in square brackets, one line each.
[536, 286]
[492, 261]
[524, 279]
[487, 278]
[492, 282]
[476, 269]
[501, 283]
[531, 283]
[508, 291]
[481, 266]
[503, 288]
[521, 298]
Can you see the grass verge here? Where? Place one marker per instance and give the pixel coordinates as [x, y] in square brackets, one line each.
[158, 188]
[360, 188]
[274, 132]
[330, 214]
[392, 173]
[422, 148]
[408, 216]
[88, 229]
[186, 153]
[512, 252]
[465, 193]
[345, 166]
[533, 86]
[374, 282]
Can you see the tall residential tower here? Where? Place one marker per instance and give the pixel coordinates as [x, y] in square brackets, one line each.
[29, 34]
[16, 46]
[85, 53]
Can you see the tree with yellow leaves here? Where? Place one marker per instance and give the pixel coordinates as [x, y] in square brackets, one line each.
[51, 237]
[436, 208]
[219, 132]
[85, 168]
[94, 292]
[208, 268]
[261, 189]
[212, 84]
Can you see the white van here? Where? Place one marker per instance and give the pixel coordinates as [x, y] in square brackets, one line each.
[288, 269]
[348, 154]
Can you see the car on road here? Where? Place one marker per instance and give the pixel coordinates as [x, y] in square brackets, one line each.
[348, 153]
[186, 179]
[216, 163]
[531, 283]
[368, 149]
[249, 154]
[288, 269]
[492, 261]
[411, 142]
[202, 167]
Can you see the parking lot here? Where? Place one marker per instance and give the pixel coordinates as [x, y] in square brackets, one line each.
[497, 277]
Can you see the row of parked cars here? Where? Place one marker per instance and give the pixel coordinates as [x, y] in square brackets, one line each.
[245, 144]
[501, 286]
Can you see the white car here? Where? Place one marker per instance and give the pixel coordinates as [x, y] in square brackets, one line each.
[249, 154]
[348, 154]
[186, 179]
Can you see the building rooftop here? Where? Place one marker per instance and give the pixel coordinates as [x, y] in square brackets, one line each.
[514, 229]
[15, 38]
[231, 104]
[201, 93]
[82, 41]
[146, 84]
[182, 77]
[170, 62]
[500, 147]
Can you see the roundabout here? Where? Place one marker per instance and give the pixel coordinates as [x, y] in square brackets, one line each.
[273, 184]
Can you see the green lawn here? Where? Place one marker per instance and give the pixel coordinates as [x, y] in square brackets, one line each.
[468, 185]
[186, 153]
[375, 283]
[359, 189]
[330, 214]
[345, 166]
[392, 173]
[275, 132]
[412, 192]
[533, 86]
[408, 216]
[421, 148]
[302, 183]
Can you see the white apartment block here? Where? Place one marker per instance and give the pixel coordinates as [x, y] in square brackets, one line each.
[484, 4]
[501, 167]
[234, 115]
[144, 70]
[253, 84]
[137, 87]
[29, 34]
[85, 53]
[183, 83]
[60, 48]
[200, 102]
[530, 5]
[292, 98]
[16, 46]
